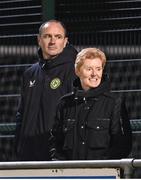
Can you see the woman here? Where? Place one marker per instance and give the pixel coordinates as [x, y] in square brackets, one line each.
[91, 122]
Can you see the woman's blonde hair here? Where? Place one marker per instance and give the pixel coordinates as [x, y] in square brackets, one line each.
[89, 53]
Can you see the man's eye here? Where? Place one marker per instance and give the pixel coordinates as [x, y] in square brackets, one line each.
[46, 36]
[59, 37]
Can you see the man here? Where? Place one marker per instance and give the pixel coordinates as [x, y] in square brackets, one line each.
[43, 84]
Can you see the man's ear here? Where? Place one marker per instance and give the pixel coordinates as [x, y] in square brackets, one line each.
[66, 41]
[38, 40]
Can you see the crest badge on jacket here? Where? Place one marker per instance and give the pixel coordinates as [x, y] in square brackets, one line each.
[55, 83]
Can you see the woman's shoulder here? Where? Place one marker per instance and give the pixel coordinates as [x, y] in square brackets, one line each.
[115, 96]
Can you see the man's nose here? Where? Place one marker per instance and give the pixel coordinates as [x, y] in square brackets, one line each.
[52, 39]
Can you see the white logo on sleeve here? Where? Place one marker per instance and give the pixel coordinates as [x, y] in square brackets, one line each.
[31, 83]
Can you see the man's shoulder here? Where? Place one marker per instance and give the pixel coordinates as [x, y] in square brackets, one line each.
[67, 97]
[32, 68]
[71, 48]
[70, 52]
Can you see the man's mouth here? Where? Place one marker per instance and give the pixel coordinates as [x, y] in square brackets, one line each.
[51, 48]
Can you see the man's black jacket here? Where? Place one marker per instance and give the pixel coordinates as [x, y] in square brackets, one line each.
[43, 84]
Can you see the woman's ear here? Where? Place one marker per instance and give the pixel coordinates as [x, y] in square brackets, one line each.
[77, 72]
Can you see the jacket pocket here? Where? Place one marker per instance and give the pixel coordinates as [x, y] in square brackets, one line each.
[98, 133]
[68, 130]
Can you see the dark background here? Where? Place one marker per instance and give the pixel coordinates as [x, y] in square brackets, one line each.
[111, 25]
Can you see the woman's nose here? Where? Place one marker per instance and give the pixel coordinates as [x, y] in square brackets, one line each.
[93, 72]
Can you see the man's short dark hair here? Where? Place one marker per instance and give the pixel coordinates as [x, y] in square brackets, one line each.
[56, 21]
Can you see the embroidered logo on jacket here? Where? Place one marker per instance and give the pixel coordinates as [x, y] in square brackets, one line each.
[31, 83]
[55, 83]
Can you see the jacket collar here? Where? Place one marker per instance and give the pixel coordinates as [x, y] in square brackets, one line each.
[93, 92]
[66, 56]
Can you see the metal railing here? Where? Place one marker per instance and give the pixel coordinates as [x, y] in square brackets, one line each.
[127, 165]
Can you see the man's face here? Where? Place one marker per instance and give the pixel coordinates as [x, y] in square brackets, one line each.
[90, 73]
[52, 40]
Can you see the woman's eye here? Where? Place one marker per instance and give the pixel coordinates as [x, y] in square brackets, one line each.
[99, 69]
[88, 69]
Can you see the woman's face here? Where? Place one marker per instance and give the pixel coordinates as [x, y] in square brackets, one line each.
[90, 73]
